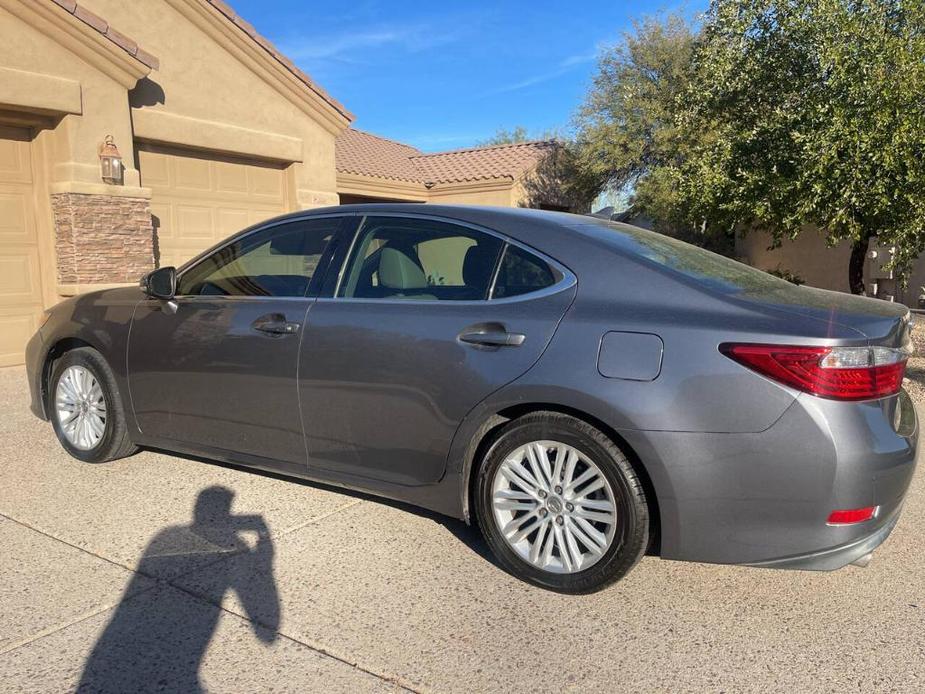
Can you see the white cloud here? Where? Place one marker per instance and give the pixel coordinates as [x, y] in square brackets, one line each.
[316, 48]
[565, 65]
[354, 46]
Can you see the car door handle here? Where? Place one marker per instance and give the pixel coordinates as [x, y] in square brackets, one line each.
[493, 338]
[275, 324]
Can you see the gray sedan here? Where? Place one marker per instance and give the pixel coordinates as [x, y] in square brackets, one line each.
[585, 391]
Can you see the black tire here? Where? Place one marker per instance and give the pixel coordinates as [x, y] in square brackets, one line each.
[115, 442]
[632, 529]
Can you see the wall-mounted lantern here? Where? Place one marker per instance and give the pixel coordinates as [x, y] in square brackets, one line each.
[111, 168]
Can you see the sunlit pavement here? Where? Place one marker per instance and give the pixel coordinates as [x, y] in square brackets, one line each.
[164, 573]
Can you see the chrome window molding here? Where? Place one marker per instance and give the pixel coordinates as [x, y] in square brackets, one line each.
[240, 236]
[566, 277]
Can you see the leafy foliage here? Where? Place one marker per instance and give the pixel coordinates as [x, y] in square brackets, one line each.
[560, 181]
[628, 129]
[815, 114]
[785, 274]
[503, 136]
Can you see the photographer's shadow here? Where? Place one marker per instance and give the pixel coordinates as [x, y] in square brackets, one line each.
[156, 642]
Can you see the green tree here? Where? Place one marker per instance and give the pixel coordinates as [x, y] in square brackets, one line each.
[503, 136]
[815, 114]
[628, 126]
[558, 180]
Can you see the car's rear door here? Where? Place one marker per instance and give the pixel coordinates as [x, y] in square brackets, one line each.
[216, 368]
[413, 337]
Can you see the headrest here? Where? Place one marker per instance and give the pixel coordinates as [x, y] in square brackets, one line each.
[478, 265]
[397, 270]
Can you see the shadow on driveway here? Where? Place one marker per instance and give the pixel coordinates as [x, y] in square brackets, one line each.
[158, 645]
[469, 535]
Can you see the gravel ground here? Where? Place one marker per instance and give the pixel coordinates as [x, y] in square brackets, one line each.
[915, 378]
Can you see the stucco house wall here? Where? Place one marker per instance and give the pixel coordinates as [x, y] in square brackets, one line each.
[824, 266]
[808, 256]
[183, 86]
[235, 100]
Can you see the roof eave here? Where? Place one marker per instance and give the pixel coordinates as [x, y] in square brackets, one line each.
[254, 54]
[102, 47]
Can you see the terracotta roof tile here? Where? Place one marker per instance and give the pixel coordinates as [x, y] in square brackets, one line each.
[363, 153]
[120, 39]
[480, 163]
[366, 154]
[93, 20]
[228, 12]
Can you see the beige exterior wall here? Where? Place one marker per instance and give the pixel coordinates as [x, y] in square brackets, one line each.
[495, 193]
[216, 96]
[500, 193]
[66, 85]
[826, 266]
[807, 256]
[237, 100]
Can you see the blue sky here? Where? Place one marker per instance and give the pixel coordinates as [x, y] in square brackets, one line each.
[443, 75]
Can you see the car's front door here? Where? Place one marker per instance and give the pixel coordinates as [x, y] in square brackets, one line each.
[216, 368]
[428, 319]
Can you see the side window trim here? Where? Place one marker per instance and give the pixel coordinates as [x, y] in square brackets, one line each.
[332, 261]
[334, 286]
[566, 276]
[497, 271]
[348, 262]
[323, 265]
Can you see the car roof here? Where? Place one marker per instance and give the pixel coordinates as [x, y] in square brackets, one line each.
[521, 223]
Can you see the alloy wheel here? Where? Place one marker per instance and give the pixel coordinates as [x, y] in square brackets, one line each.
[80, 407]
[554, 507]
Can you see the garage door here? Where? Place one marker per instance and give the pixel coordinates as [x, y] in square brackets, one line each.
[198, 199]
[20, 275]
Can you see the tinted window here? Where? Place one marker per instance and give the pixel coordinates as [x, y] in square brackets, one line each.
[521, 272]
[420, 259]
[279, 261]
[716, 271]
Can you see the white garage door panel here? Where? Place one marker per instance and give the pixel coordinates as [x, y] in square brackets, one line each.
[200, 199]
[20, 271]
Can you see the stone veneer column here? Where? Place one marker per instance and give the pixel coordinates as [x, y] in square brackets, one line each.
[102, 239]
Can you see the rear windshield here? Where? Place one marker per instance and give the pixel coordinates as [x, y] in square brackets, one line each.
[716, 271]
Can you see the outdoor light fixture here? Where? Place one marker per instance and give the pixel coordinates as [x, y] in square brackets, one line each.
[110, 162]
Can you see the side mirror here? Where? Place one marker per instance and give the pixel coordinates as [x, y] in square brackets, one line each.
[160, 283]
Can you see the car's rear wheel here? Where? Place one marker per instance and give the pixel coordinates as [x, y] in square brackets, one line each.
[560, 505]
[85, 407]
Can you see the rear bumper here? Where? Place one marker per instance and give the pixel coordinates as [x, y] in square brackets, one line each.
[835, 557]
[763, 499]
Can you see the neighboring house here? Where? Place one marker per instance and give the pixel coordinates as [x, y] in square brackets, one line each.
[216, 130]
[372, 168]
[819, 265]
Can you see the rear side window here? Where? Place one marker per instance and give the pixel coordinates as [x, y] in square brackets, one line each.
[420, 259]
[279, 261]
[521, 272]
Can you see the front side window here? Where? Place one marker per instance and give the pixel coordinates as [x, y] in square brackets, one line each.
[419, 259]
[279, 261]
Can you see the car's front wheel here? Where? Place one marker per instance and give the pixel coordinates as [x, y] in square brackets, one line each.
[560, 505]
[85, 407]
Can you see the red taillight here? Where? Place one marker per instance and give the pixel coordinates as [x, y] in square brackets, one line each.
[852, 515]
[839, 373]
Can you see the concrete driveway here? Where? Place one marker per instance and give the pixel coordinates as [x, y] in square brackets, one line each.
[138, 575]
